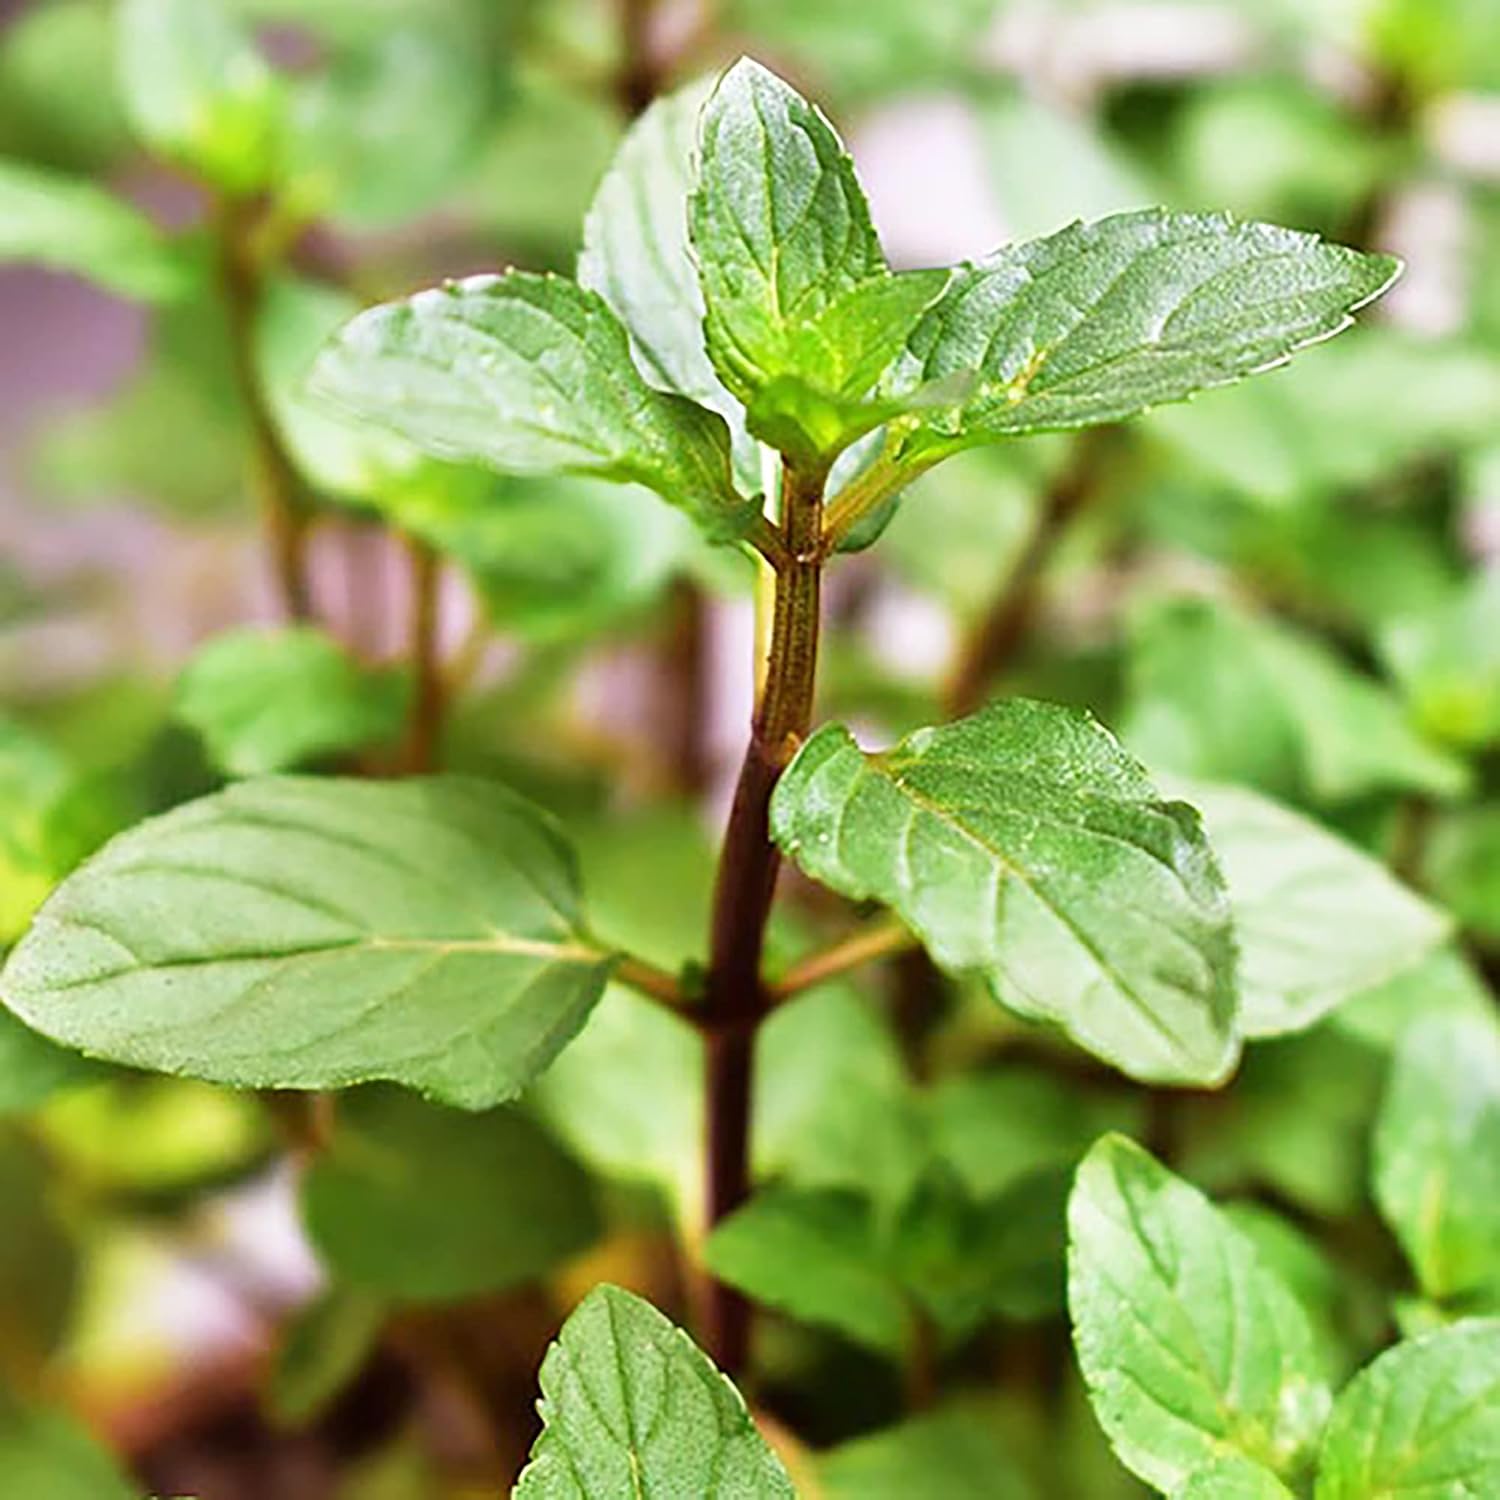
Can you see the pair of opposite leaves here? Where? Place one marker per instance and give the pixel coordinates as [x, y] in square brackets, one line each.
[313, 934]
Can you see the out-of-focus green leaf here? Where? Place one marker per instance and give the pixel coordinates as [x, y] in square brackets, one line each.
[1316, 919]
[997, 1128]
[1437, 1153]
[1309, 428]
[199, 92]
[323, 933]
[321, 1351]
[630, 1403]
[967, 522]
[38, 1269]
[1052, 166]
[183, 386]
[1217, 693]
[542, 162]
[271, 700]
[860, 49]
[47, 1455]
[32, 1069]
[421, 1203]
[53, 812]
[530, 375]
[1447, 662]
[1298, 1122]
[1023, 844]
[1462, 867]
[145, 1135]
[1103, 320]
[1192, 1347]
[58, 100]
[387, 127]
[957, 1447]
[1437, 44]
[553, 559]
[1273, 148]
[71, 225]
[635, 255]
[1444, 983]
[1424, 1418]
[817, 1257]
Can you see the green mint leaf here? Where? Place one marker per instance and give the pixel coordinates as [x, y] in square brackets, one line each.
[69, 224]
[1437, 1153]
[1447, 663]
[1191, 1345]
[630, 1405]
[199, 93]
[960, 1449]
[1103, 320]
[403, 1203]
[324, 933]
[1233, 1479]
[1317, 920]
[322, 1349]
[1423, 1419]
[529, 375]
[1224, 695]
[1023, 844]
[270, 700]
[635, 255]
[803, 315]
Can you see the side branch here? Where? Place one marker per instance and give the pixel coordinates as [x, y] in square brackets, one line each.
[881, 939]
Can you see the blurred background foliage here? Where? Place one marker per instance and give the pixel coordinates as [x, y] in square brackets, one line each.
[1293, 584]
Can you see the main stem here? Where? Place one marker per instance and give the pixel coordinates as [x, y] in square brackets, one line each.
[736, 1000]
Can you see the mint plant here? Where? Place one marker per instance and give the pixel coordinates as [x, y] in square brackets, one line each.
[480, 1040]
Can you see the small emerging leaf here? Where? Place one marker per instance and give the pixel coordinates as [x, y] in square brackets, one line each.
[803, 315]
[321, 933]
[1190, 1344]
[1422, 1420]
[1103, 320]
[71, 225]
[1025, 845]
[632, 1407]
[529, 375]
